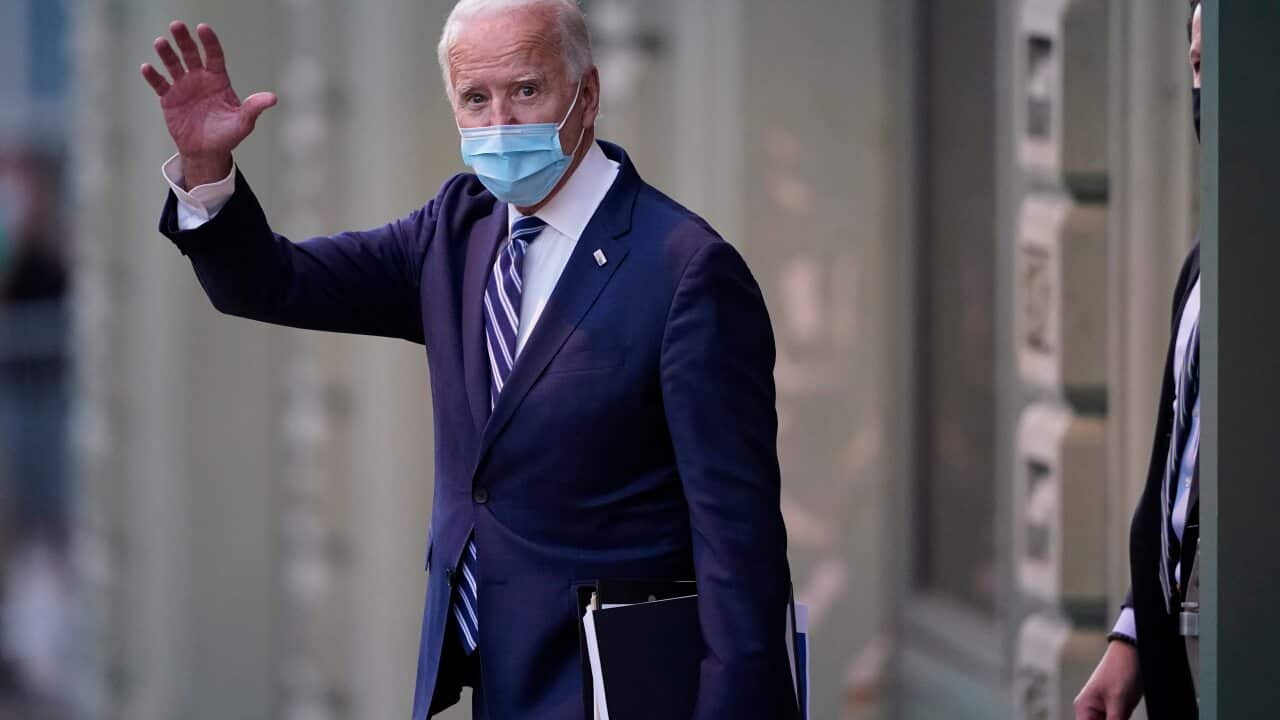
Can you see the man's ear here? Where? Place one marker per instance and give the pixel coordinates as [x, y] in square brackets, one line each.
[591, 98]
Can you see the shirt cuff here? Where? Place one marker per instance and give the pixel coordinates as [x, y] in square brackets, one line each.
[200, 204]
[1126, 627]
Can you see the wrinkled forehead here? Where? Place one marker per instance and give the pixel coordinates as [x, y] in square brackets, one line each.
[505, 47]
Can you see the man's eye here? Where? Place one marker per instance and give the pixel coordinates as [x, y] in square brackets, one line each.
[474, 99]
[528, 91]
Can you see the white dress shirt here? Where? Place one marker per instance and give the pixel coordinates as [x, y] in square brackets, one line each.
[1126, 625]
[566, 216]
[198, 205]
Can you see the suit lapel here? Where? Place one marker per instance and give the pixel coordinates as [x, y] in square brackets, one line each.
[575, 292]
[482, 246]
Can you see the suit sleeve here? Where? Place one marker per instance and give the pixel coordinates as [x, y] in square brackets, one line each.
[1125, 628]
[354, 282]
[718, 391]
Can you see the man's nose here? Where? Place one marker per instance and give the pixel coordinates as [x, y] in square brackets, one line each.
[502, 112]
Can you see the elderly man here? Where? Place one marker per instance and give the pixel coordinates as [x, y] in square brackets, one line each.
[1148, 656]
[601, 364]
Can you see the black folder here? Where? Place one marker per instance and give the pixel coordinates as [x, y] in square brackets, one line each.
[650, 656]
[650, 648]
[659, 668]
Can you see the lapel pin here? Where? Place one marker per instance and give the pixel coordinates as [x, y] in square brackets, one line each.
[600, 258]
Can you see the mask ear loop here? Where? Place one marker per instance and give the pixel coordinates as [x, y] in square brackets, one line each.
[577, 94]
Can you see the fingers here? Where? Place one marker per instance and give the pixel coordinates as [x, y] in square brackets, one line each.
[256, 104]
[190, 52]
[1089, 713]
[215, 61]
[1120, 706]
[155, 79]
[170, 58]
[1089, 704]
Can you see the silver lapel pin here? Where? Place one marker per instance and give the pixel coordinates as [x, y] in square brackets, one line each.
[600, 258]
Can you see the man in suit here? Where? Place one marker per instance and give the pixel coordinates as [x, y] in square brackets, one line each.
[601, 364]
[1147, 655]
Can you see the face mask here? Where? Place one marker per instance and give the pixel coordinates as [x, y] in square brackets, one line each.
[1195, 109]
[519, 164]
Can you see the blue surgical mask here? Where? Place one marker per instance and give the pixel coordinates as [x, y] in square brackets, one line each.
[519, 164]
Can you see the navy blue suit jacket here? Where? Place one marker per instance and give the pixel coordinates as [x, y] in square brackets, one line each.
[636, 437]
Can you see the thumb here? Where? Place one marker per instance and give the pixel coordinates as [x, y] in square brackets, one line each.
[256, 104]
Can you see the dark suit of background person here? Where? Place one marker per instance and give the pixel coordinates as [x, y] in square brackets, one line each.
[1162, 652]
[1149, 620]
[636, 437]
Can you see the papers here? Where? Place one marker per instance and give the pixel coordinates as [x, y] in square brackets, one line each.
[593, 656]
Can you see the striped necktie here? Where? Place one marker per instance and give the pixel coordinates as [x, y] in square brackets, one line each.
[502, 328]
[1185, 426]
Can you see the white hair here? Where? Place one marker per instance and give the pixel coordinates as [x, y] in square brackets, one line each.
[575, 38]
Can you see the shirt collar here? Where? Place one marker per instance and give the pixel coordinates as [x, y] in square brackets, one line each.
[573, 207]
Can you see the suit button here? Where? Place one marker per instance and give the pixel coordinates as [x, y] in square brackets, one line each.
[480, 495]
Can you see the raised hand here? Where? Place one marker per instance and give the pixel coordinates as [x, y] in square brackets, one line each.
[205, 116]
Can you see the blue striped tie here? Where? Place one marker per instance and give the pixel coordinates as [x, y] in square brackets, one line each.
[1186, 405]
[502, 327]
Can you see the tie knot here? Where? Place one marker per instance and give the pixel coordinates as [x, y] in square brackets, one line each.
[527, 228]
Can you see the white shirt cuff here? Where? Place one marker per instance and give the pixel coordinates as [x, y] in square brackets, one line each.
[200, 204]
[1126, 625]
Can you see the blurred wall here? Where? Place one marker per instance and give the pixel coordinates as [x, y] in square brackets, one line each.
[1055, 204]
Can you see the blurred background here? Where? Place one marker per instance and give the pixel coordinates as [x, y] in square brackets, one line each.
[967, 219]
